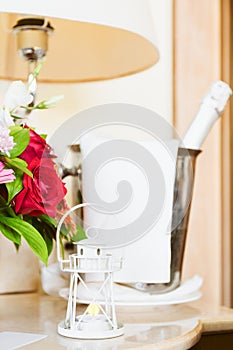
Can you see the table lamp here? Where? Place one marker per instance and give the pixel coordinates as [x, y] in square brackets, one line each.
[90, 41]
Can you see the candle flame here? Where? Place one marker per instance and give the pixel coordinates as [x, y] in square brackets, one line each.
[93, 309]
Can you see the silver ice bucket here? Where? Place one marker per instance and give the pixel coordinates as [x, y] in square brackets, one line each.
[183, 190]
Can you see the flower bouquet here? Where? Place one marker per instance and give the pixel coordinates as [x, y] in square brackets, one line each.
[31, 191]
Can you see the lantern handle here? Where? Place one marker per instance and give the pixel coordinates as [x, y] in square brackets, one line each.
[59, 256]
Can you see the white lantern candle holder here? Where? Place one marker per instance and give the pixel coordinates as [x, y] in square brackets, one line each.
[98, 320]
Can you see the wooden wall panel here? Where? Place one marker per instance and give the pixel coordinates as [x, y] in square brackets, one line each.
[197, 64]
[227, 155]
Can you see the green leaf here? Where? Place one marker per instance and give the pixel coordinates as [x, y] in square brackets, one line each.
[79, 235]
[16, 246]
[13, 188]
[6, 207]
[16, 117]
[49, 220]
[65, 230]
[49, 243]
[10, 234]
[21, 138]
[18, 164]
[43, 136]
[30, 234]
[46, 230]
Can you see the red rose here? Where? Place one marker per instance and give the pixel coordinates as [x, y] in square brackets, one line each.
[37, 147]
[42, 193]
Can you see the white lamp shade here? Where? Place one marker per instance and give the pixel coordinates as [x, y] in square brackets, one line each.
[103, 39]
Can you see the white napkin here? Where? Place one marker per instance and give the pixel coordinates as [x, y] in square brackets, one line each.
[15, 340]
[147, 259]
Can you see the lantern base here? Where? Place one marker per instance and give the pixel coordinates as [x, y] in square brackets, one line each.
[81, 334]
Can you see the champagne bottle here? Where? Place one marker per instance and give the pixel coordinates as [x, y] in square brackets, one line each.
[211, 108]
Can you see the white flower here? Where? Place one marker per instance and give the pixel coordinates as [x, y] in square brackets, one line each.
[50, 102]
[5, 118]
[17, 95]
[6, 141]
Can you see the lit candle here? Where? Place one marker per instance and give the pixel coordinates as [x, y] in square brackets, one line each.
[93, 321]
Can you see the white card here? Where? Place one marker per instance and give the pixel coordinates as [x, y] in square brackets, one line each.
[148, 258]
[15, 340]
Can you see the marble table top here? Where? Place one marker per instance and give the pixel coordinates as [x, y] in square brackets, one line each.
[173, 327]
